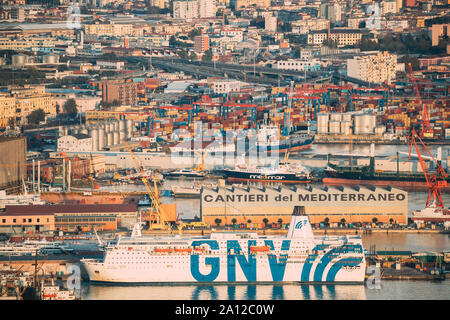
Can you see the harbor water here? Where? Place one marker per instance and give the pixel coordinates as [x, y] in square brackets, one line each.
[389, 290]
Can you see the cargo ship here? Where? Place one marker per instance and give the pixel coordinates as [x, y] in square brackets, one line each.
[431, 213]
[283, 173]
[367, 175]
[269, 140]
[233, 257]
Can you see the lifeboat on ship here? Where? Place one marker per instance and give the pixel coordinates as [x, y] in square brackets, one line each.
[199, 249]
[163, 250]
[259, 248]
[188, 250]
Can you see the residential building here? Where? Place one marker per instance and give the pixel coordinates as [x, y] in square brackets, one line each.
[185, 9]
[240, 4]
[124, 92]
[437, 31]
[270, 23]
[298, 64]
[226, 86]
[206, 8]
[375, 68]
[201, 43]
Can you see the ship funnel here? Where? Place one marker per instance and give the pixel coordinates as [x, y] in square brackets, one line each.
[300, 226]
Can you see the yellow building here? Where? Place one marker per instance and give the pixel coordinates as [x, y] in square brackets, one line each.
[247, 3]
[26, 100]
[7, 109]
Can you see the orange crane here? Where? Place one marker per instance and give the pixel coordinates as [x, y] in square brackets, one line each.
[426, 132]
[437, 180]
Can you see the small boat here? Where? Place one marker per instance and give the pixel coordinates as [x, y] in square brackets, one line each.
[186, 173]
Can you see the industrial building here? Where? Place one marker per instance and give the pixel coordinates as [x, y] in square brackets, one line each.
[67, 217]
[356, 205]
[12, 161]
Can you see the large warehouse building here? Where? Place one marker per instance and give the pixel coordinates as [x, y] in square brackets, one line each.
[354, 204]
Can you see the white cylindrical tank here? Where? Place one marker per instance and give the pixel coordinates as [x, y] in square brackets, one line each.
[93, 133]
[335, 117]
[347, 116]
[50, 59]
[122, 136]
[116, 125]
[101, 138]
[322, 123]
[116, 138]
[19, 60]
[345, 127]
[109, 139]
[122, 125]
[334, 127]
[129, 128]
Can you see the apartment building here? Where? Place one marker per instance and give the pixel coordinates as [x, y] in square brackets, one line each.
[201, 43]
[298, 64]
[375, 68]
[110, 29]
[304, 26]
[124, 92]
[241, 4]
[343, 37]
[193, 9]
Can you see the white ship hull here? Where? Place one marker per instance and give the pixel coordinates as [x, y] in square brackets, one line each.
[233, 258]
[165, 272]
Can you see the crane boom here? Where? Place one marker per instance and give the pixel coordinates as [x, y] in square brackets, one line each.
[152, 193]
[426, 128]
[437, 180]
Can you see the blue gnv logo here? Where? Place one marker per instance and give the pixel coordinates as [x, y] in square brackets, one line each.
[300, 224]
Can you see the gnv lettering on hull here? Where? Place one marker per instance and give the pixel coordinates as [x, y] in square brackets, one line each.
[246, 262]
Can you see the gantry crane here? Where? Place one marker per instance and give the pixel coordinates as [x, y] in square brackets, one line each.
[161, 222]
[435, 181]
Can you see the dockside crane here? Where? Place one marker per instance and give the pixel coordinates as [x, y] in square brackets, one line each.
[435, 181]
[161, 222]
[426, 131]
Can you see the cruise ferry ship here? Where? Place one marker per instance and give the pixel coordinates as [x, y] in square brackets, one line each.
[233, 258]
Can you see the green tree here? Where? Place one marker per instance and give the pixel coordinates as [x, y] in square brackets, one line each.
[207, 56]
[192, 56]
[233, 221]
[70, 107]
[266, 221]
[182, 54]
[58, 108]
[36, 116]
[375, 220]
[194, 32]
[218, 221]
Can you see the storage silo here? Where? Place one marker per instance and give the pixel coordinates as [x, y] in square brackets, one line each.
[129, 128]
[50, 59]
[93, 133]
[334, 127]
[116, 125]
[347, 116]
[18, 60]
[122, 125]
[116, 138]
[322, 123]
[335, 117]
[109, 139]
[345, 127]
[101, 138]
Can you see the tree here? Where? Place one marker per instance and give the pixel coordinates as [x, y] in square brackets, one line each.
[280, 221]
[36, 116]
[183, 54]
[233, 221]
[207, 56]
[58, 108]
[391, 220]
[343, 222]
[327, 221]
[218, 221]
[70, 107]
[194, 32]
[375, 220]
[192, 56]
[266, 221]
[249, 221]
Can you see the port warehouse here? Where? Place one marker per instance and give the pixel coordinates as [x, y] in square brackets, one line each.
[42, 218]
[12, 161]
[354, 204]
[75, 217]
